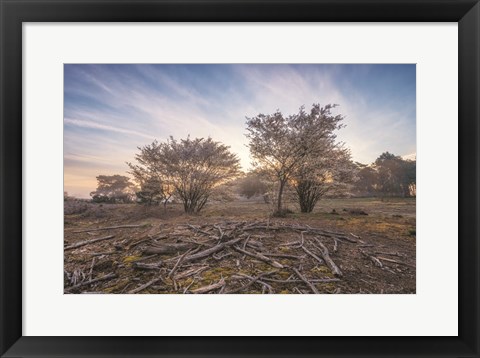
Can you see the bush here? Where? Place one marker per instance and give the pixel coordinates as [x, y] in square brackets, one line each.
[281, 213]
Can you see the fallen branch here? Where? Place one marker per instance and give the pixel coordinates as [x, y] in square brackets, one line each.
[103, 278]
[312, 254]
[108, 228]
[251, 282]
[212, 250]
[143, 266]
[190, 272]
[390, 253]
[209, 288]
[179, 262]
[88, 242]
[91, 269]
[142, 287]
[375, 260]
[395, 261]
[296, 281]
[168, 248]
[325, 255]
[303, 278]
[259, 257]
[286, 256]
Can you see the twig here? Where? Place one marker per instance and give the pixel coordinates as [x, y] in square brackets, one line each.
[88, 242]
[212, 250]
[108, 228]
[251, 282]
[259, 257]
[191, 272]
[191, 283]
[284, 256]
[179, 262]
[296, 281]
[219, 257]
[375, 260]
[209, 288]
[91, 269]
[102, 253]
[395, 261]
[106, 277]
[143, 266]
[142, 287]
[246, 242]
[330, 263]
[391, 253]
[309, 284]
[198, 229]
[312, 254]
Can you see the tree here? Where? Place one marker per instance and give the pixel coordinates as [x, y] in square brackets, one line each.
[251, 185]
[191, 167]
[282, 144]
[113, 189]
[410, 177]
[151, 176]
[396, 176]
[366, 183]
[331, 174]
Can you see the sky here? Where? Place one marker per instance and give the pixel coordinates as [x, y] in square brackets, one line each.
[110, 110]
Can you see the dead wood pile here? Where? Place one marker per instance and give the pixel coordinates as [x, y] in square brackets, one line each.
[227, 257]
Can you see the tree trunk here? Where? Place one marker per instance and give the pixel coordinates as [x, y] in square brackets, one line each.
[280, 193]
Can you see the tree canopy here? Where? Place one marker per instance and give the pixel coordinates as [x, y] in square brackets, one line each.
[112, 189]
[290, 146]
[191, 168]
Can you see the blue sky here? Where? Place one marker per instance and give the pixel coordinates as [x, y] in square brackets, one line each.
[109, 110]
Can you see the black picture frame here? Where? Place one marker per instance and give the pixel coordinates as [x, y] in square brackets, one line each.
[15, 12]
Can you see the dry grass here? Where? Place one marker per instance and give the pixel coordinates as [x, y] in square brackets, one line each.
[389, 227]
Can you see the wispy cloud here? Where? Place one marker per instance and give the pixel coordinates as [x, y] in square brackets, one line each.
[96, 125]
[112, 109]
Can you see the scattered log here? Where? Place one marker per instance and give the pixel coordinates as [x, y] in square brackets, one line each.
[312, 254]
[179, 262]
[219, 257]
[251, 282]
[286, 256]
[91, 269]
[193, 249]
[87, 242]
[375, 260]
[144, 286]
[398, 254]
[190, 272]
[259, 257]
[103, 278]
[108, 228]
[106, 253]
[209, 288]
[165, 248]
[395, 261]
[144, 266]
[212, 250]
[325, 255]
[303, 278]
[335, 245]
[296, 281]
[197, 229]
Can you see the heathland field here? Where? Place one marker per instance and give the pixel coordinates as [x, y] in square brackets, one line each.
[357, 245]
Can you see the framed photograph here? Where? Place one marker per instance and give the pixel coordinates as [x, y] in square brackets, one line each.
[239, 178]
